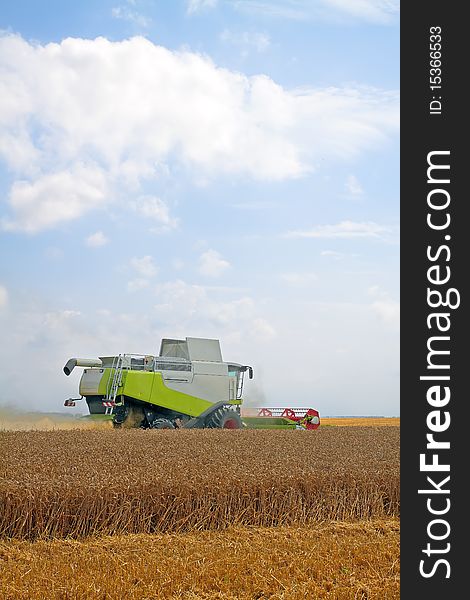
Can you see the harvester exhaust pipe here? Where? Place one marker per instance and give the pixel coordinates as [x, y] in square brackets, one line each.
[81, 362]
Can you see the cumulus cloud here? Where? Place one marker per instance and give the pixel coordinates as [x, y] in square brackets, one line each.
[56, 197]
[211, 264]
[96, 240]
[72, 113]
[145, 266]
[342, 230]
[157, 211]
[193, 307]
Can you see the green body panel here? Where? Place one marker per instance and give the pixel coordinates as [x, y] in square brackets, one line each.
[268, 423]
[137, 384]
[149, 387]
[103, 384]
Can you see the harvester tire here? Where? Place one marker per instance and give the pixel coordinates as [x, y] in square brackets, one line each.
[224, 418]
[162, 424]
[128, 416]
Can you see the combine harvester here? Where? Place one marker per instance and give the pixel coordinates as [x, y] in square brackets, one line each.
[187, 385]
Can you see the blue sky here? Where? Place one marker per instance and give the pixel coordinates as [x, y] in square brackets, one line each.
[223, 169]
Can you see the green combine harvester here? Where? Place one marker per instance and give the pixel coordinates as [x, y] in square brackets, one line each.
[187, 385]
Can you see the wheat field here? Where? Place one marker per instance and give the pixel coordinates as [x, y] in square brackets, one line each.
[341, 561]
[82, 483]
[200, 514]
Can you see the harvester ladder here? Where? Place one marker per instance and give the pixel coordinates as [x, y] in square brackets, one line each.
[115, 379]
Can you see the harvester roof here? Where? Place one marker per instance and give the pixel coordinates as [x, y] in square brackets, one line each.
[202, 349]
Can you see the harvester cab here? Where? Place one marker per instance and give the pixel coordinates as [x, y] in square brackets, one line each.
[187, 385]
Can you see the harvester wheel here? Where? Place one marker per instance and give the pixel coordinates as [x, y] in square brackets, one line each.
[162, 424]
[128, 416]
[224, 418]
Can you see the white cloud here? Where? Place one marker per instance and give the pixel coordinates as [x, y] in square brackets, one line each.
[196, 308]
[157, 211]
[96, 240]
[246, 40]
[373, 11]
[113, 100]
[211, 264]
[124, 13]
[3, 297]
[353, 186]
[194, 6]
[343, 230]
[145, 266]
[56, 197]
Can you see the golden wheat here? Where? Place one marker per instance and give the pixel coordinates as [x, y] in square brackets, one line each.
[338, 561]
[81, 483]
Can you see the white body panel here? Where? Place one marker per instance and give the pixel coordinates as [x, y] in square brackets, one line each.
[210, 368]
[204, 350]
[213, 388]
[90, 381]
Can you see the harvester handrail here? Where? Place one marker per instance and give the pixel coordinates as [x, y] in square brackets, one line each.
[127, 364]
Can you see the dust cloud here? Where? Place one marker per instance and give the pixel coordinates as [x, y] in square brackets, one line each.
[254, 398]
[12, 419]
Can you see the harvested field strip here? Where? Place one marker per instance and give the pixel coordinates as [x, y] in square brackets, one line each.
[81, 483]
[361, 421]
[338, 561]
